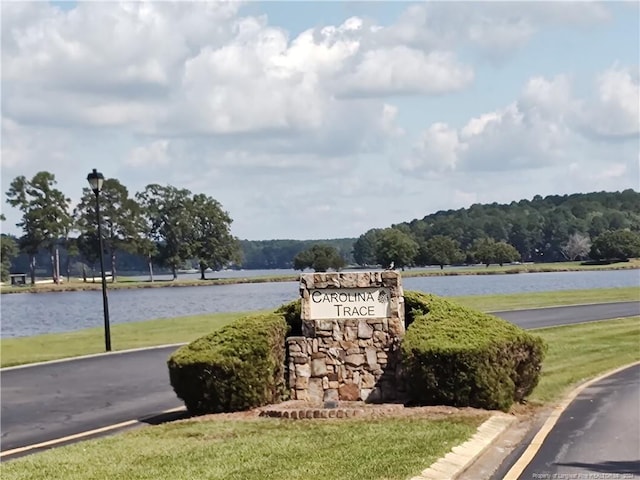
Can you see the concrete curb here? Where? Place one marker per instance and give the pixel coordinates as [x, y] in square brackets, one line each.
[463, 456]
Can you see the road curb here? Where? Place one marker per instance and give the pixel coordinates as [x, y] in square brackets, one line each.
[461, 457]
[536, 443]
[92, 355]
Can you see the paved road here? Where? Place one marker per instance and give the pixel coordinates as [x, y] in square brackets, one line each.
[548, 317]
[597, 436]
[49, 401]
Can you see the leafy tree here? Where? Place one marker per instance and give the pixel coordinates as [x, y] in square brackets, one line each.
[72, 250]
[8, 251]
[120, 216]
[441, 250]
[598, 226]
[89, 247]
[537, 228]
[364, 248]
[577, 246]
[320, 258]
[166, 211]
[213, 244]
[488, 251]
[146, 247]
[482, 251]
[396, 247]
[46, 217]
[616, 245]
[504, 253]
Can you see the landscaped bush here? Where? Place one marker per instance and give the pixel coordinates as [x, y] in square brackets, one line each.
[238, 367]
[456, 356]
[292, 315]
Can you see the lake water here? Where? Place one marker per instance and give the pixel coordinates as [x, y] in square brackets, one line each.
[25, 314]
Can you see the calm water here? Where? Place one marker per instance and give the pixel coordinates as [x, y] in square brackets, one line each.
[27, 314]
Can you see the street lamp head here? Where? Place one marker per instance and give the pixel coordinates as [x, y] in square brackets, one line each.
[95, 179]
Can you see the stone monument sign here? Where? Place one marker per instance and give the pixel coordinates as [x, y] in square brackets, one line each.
[352, 325]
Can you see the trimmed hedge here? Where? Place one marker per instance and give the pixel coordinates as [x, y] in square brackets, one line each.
[238, 367]
[292, 312]
[456, 356]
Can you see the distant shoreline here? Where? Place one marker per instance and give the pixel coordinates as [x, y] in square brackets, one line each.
[77, 285]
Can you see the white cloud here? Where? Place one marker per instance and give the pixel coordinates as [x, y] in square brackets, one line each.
[437, 152]
[274, 121]
[494, 29]
[617, 111]
[156, 154]
[544, 127]
[405, 70]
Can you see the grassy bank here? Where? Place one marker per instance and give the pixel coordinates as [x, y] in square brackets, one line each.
[256, 449]
[579, 352]
[124, 283]
[16, 351]
[388, 448]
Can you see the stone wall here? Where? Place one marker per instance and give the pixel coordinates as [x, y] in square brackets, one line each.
[348, 357]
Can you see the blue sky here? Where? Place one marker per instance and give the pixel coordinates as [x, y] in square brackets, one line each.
[324, 119]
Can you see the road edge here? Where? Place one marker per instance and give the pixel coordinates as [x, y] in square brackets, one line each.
[461, 457]
[92, 355]
[536, 443]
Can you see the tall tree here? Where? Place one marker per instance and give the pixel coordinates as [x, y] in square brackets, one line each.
[120, 216]
[397, 248]
[616, 245]
[441, 250]
[364, 248]
[320, 258]
[213, 244]
[166, 209]
[45, 216]
[504, 253]
[8, 251]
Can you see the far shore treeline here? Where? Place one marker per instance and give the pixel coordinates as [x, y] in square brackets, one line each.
[168, 229]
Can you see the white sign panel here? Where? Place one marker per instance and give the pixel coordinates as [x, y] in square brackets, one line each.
[329, 303]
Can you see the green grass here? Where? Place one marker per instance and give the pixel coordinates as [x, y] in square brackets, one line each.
[633, 263]
[39, 348]
[388, 448]
[17, 351]
[580, 352]
[258, 449]
[494, 303]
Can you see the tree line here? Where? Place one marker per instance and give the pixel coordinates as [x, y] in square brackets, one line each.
[174, 229]
[601, 225]
[162, 224]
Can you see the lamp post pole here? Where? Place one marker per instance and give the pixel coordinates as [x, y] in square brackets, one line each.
[96, 180]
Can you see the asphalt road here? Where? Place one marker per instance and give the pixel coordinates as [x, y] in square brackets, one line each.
[54, 400]
[50, 401]
[597, 436]
[548, 317]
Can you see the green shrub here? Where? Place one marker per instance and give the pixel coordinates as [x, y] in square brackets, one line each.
[238, 367]
[292, 315]
[456, 356]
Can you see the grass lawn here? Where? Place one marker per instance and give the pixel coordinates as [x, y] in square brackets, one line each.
[17, 351]
[256, 449]
[389, 448]
[579, 352]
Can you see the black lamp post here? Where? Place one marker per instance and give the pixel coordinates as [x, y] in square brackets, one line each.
[96, 179]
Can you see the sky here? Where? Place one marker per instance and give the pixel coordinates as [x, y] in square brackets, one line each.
[314, 120]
